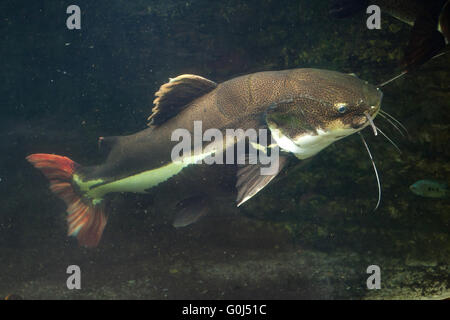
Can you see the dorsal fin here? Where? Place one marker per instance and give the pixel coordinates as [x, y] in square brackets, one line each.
[176, 95]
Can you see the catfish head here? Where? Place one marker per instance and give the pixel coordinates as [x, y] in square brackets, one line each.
[326, 106]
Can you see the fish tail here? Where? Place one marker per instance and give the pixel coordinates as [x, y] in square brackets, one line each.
[85, 219]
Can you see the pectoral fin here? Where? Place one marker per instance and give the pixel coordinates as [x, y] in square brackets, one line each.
[190, 210]
[250, 180]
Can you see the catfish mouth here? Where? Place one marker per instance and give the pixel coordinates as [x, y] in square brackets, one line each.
[365, 118]
[360, 122]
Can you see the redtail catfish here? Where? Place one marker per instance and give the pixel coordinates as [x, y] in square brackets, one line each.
[303, 110]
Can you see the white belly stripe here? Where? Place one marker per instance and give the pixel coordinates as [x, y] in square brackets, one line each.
[140, 182]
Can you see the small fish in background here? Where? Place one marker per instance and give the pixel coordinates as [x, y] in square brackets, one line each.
[430, 189]
[430, 21]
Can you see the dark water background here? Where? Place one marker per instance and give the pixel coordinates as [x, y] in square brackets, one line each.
[311, 236]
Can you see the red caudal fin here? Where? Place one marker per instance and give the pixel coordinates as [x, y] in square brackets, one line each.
[85, 220]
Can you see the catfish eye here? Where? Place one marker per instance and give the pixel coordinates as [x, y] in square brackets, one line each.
[341, 108]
